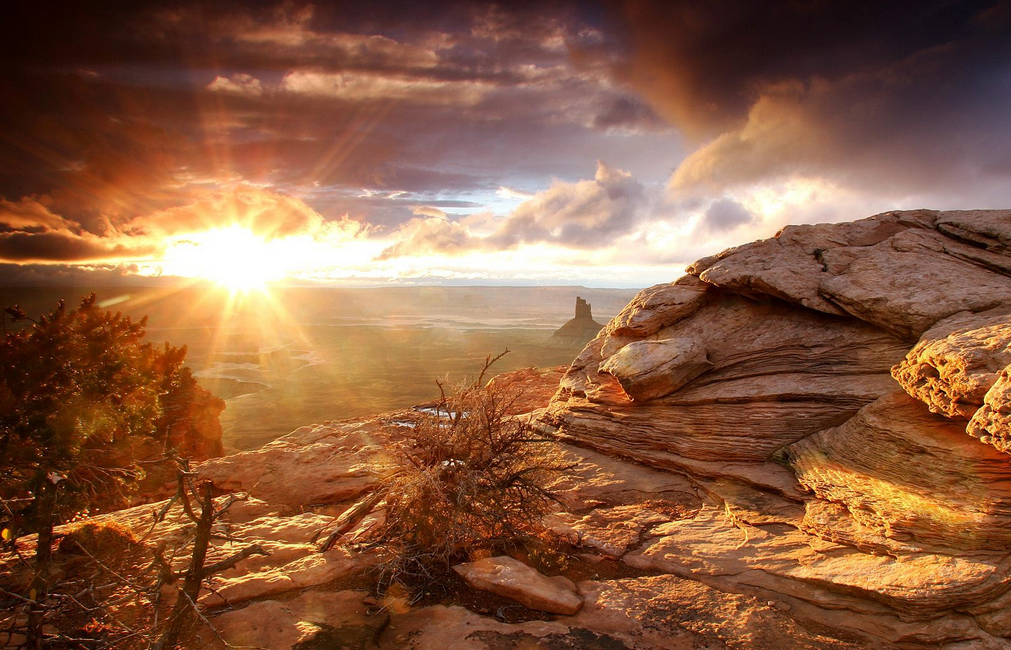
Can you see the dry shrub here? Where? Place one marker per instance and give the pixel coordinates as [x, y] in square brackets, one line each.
[473, 481]
[102, 540]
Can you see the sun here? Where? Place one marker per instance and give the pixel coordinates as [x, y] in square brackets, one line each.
[234, 257]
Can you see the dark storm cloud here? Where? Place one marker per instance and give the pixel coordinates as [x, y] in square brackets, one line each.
[627, 112]
[884, 96]
[119, 113]
[30, 232]
[92, 151]
[706, 62]
[90, 275]
[64, 247]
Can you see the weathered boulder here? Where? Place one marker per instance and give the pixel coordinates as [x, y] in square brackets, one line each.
[956, 362]
[512, 579]
[650, 369]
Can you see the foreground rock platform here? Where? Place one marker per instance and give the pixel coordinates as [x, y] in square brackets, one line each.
[298, 598]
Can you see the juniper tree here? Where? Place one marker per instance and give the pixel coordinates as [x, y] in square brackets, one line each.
[81, 402]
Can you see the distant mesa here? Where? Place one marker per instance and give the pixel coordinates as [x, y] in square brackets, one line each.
[581, 329]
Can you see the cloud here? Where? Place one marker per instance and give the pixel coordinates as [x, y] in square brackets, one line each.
[29, 215]
[65, 247]
[580, 215]
[286, 116]
[512, 193]
[31, 232]
[353, 86]
[335, 105]
[265, 212]
[429, 211]
[239, 84]
[91, 275]
[627, 113]
[431, 236]
[891, 98]
[584, 214]
[727, 214]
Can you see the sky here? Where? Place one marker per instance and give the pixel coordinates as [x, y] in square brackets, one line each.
[368, 143]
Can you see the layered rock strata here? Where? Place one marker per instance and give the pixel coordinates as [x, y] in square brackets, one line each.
[841, 395]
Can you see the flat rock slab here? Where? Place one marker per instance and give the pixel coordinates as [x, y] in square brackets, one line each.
[902, 271]
[512, 579]
[314, 619]
[313, 465]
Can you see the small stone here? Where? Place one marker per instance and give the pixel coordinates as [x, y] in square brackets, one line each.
[512, 579]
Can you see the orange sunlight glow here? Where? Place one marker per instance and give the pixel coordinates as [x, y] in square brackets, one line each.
[234, 257]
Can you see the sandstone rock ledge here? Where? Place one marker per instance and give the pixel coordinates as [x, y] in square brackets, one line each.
[296, 598]
[839, 395]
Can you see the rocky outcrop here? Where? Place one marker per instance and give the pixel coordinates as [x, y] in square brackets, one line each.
[901, 271]
[910, 480]
[330, 463]
[528, 388]
[840, 394]
[580, 329]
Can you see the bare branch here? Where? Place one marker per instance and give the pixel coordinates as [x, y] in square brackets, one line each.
[488, 362]
[232, 560]
[347, 519]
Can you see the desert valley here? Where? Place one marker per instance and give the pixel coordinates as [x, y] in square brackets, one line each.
[483, 325]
